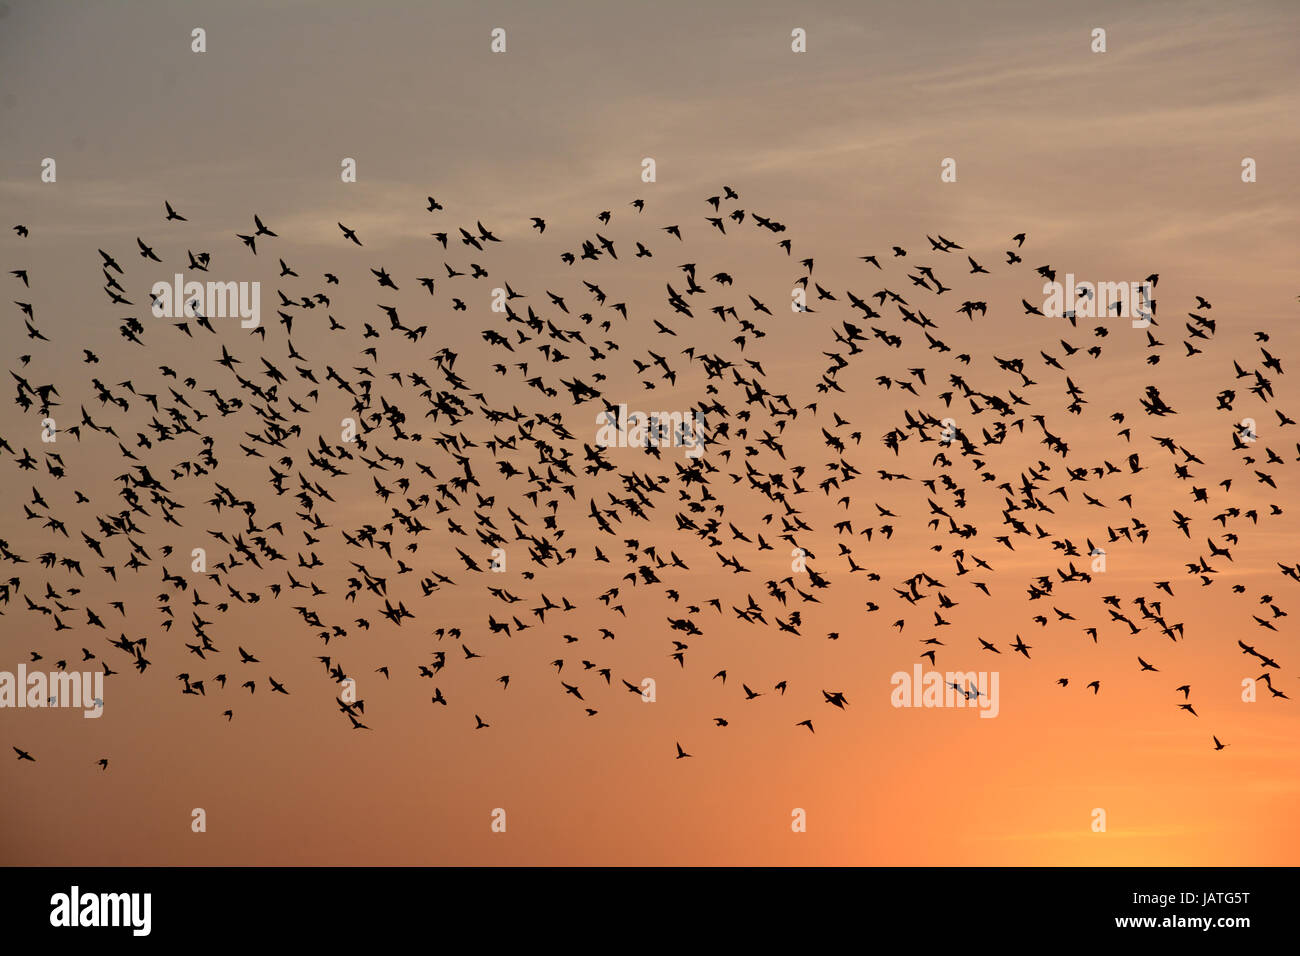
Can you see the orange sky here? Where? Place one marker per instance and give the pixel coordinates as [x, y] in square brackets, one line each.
[1116, 165]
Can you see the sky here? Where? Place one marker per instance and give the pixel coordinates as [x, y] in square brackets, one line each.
[1115, 165]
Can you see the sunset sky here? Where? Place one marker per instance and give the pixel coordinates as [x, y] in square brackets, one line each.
[1116, 165]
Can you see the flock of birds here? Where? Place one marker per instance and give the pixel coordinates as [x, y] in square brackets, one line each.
[433, 435]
